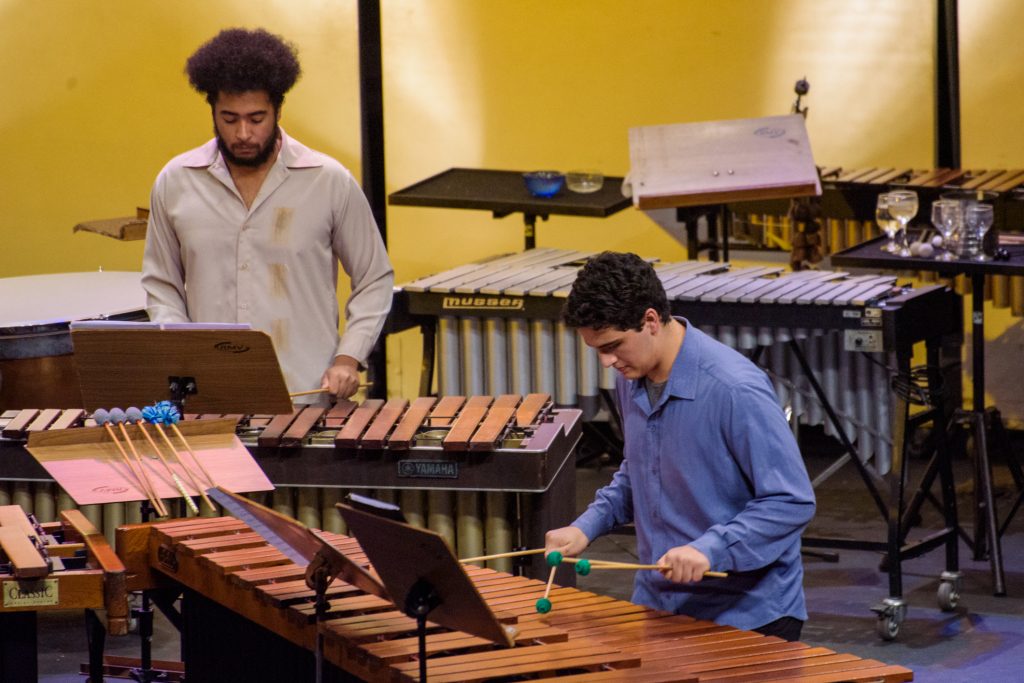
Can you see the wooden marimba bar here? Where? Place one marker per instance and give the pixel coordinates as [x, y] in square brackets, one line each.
[241, 595]
[487, 473]
[498, 327]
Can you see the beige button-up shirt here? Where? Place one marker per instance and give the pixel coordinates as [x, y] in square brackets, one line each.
[209, 258]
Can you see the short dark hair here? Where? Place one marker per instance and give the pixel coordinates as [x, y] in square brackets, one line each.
[614, 290]
[237, 60]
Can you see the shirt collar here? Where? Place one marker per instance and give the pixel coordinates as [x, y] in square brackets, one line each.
[293, 154]
[682, 379]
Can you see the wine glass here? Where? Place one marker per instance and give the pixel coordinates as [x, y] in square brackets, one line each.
[903, 207]
[886, 222]
[947, 218]
[978, 218]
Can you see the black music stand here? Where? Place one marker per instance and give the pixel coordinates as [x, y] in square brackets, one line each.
[418, 568]
[504, 193]
[987, 530]
[307, 548]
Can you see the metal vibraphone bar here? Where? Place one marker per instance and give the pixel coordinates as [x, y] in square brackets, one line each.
[488, 474]
[498, 328]
[241, 595]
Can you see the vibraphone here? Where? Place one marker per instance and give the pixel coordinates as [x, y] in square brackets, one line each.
[498, 329]
[242, 596]
[54, 566]
[835, 345]
[488, 474]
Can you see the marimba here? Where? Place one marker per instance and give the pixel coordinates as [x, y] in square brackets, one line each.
[498, 329]
[487, 473]
[55, 566]
[242, 596]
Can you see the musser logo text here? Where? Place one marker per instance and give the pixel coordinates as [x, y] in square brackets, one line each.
[428, 469]
[506, 303]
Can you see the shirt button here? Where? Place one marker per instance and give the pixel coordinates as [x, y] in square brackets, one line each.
[243, 306]
[245, 266]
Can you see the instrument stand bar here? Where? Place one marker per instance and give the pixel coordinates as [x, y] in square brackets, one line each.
[321, 578]
[96, 638]
[892, 611]
[145, 673]
[981, 422]
[420, 602]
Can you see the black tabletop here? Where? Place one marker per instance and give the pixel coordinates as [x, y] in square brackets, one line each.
[504, 192]
[870, 255]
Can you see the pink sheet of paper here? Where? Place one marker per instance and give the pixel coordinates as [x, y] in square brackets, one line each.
[89, 466]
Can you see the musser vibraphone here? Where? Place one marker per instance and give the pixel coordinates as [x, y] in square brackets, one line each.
[837, 346]
[247, 614]
[487, 473]
[498, 329]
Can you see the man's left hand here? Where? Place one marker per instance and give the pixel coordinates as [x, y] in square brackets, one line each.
[342, 378]
[684, 564]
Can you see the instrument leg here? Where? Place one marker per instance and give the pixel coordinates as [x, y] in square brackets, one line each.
[96, 637]
[18, 647]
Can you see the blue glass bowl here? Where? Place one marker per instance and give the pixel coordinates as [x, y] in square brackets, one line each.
[544, 183]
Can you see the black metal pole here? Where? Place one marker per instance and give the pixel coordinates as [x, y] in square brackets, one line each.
[947, 86]
[371, 108]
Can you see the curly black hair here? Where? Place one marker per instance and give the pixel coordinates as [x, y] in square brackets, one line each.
[237, 60]
[614, 290]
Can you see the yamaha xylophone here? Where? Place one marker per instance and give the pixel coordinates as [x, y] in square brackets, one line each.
[488, 473]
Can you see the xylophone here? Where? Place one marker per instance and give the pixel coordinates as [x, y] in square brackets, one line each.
[498, 329]
[488, 474]
[54, 566]
[241, 595]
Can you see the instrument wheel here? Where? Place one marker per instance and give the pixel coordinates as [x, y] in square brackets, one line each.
[888, 627]
[948, 596]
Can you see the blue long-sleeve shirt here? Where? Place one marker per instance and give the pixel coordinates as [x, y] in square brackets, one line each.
[713, 465]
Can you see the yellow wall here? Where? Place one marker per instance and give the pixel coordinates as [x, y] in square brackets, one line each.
[95, 102]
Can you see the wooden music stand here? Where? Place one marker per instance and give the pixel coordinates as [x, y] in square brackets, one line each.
[419, 570]
[212, 370]
[696, 164]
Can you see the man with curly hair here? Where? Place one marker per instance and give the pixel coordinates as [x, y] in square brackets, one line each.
[712, 476]
[250, 227]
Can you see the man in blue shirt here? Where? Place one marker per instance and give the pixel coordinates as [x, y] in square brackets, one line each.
[712, 476]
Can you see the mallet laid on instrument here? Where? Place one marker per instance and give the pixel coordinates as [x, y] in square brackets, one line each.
[102, 418]
[165, 413]
[119, 415]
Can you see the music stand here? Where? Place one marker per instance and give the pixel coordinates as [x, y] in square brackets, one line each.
[419, 570]
[216, 370]
[307, 548]
[694, 166]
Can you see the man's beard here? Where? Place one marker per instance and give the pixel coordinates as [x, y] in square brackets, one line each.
[261, 157]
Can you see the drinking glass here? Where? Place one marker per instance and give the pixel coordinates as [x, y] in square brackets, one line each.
[886, 222]
[903, 207]
[978, 218]
[947, 217]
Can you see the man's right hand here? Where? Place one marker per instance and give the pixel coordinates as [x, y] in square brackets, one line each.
[568, 540]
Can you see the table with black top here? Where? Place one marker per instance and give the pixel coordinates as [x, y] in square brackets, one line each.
[987, 529]
[504, 193]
